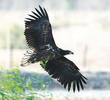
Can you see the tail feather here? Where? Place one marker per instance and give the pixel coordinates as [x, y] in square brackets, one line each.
[29, 58]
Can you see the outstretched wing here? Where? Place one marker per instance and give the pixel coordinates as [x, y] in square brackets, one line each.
[38, 31]
[66, 72]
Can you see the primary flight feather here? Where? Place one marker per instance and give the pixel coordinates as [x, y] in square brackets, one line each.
[38, 34]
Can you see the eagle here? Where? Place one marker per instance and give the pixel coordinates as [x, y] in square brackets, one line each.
[43, 49]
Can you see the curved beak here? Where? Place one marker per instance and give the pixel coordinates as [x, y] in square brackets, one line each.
[71, 52]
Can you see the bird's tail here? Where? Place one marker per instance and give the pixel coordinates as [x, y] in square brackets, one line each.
[29, 58]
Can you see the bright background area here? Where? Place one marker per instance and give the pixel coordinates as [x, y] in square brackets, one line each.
[82, 26]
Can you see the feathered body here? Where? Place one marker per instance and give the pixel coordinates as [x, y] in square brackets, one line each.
[38, 33]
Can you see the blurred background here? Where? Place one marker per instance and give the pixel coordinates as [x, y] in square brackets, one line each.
[82, 26]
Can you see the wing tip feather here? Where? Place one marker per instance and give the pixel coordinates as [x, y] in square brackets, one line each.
[74, 80]
[41, 13]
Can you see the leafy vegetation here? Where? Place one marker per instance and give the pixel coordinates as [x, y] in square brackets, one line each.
[17, 86]
[44, 62]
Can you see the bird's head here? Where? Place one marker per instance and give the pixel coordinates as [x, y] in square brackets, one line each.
[66, 52]
[69, 52]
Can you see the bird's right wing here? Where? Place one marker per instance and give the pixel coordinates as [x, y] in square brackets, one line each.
[38, 31]
[66, 72]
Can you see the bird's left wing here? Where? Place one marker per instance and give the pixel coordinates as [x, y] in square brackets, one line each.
[38, 34]
[66, 72]
[38, 31]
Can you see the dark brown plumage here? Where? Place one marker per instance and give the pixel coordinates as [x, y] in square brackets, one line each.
[38, 33]
[66, 72]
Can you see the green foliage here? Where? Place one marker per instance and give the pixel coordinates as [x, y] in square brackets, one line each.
[44, 62]
[13, 86]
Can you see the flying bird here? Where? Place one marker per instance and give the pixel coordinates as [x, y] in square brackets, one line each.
[42, 47]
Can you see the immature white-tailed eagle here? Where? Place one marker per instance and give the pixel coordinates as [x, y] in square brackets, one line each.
[38, 33]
